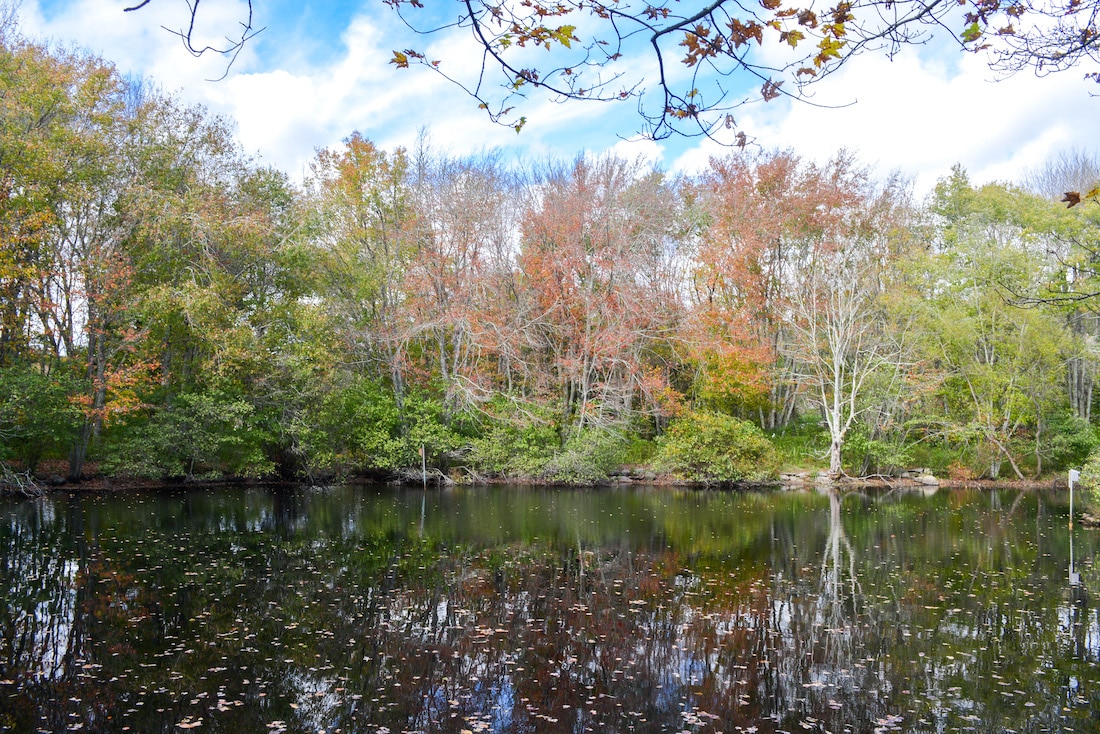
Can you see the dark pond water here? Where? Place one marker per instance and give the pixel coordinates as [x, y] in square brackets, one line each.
[508, 610]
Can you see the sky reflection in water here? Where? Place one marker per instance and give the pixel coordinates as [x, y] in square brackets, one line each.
[526, 610]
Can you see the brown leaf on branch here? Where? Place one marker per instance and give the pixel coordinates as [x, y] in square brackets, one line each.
[716, 41]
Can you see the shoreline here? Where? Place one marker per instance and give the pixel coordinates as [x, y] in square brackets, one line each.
[116, 484]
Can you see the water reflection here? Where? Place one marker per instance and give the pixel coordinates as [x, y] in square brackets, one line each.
[510, 610]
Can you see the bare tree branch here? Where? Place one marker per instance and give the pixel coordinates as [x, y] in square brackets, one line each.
[233, 44]
[593, 50]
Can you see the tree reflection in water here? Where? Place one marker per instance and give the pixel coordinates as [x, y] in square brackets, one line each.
[510, 611]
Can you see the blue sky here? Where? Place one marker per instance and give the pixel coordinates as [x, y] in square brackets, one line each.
[320, 71]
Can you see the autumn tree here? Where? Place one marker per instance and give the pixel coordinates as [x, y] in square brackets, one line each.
[597, 250]
[23, 213]
[222, 305]
[466, 222]
[363, 225]
[766, 217]
[376, 280]
[67, 275]
[749, 210]
[791, 259]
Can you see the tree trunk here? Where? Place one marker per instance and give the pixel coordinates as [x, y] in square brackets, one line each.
[996, 467]
[835, 447]
[1080, 369]
[97, 371]
[1038, 448]
[79, 452]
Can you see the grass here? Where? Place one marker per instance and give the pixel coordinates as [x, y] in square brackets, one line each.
[802, 445]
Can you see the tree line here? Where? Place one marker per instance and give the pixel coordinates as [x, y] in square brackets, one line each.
[170, 307]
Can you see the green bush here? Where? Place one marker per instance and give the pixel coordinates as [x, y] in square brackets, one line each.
[937, 456]
[639, 451]
[1090, 481]
[863, 455]
[711, 447]
[348, 427]
[803, 443]
[425, 426]
[201, 435]
[588, 457]
[514, 450]
[533, 450]
[37, 418]
[359, 426]
[1069, 442]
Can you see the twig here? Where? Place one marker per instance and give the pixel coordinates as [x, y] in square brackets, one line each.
[12, 482]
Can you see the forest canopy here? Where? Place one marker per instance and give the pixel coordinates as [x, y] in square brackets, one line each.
[170, 308]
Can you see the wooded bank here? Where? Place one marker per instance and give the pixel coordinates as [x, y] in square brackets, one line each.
[170, 308]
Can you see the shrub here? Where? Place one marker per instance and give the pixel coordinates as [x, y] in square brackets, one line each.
[514, 450]
[1069, 442]
[347, 427]
[588, 457]
[864, 455]
[638, 451]
[941, 459]
[424, 425]
[207, 435]
[1090, 480]
[711, 447]
[359, 426]
[804, 442]
[960, 472]
[37, 418]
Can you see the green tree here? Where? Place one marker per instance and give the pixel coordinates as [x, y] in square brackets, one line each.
[1072, 236]
[37, 418]
[1002, 364]
[223, 286]
[197, 435]
[361, 225]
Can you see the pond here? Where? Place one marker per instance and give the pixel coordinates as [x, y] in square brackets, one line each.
[532, 610]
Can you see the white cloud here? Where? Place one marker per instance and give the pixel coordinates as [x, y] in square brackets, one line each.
[914, 114]
[922, 117]
[637, 148]
[287, 114]
[137, 42]
[274, 112]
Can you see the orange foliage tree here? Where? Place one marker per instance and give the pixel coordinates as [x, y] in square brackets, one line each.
[598, 265]
[764, 218]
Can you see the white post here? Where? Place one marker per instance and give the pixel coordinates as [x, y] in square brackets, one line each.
[424, 467]
[1074, 476]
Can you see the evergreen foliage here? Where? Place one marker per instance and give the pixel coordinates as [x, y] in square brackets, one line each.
[711, 447]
